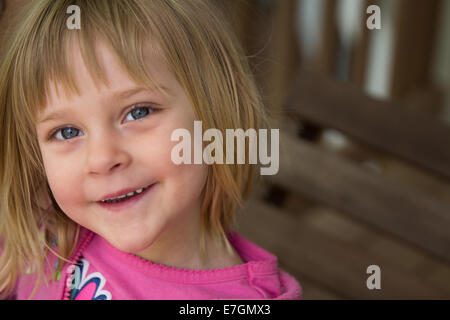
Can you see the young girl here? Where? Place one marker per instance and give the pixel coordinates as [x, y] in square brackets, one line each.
[92, 206]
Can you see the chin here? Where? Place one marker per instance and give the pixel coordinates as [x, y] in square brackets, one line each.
[132, 245]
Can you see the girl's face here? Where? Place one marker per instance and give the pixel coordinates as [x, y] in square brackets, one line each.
[99, 147]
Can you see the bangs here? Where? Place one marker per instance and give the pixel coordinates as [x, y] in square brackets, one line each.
[46, 57]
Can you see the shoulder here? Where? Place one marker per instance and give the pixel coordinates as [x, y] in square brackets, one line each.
[248, 250]
[264, 273]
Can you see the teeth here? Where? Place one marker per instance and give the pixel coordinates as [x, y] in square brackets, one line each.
[125, 195]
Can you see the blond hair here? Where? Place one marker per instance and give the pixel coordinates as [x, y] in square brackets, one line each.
[203, 54]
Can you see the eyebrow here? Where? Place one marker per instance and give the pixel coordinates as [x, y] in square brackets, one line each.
[116, 96]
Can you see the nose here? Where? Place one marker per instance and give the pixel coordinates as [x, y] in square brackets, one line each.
[106, 153]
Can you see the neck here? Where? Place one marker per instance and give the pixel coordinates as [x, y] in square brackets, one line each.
[179, 246]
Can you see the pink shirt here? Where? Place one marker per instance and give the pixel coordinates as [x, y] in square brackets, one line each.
[104, 272]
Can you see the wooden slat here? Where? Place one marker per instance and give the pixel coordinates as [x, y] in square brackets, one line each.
[412, 135]
[380, 201]
[359, 54]
[240, 14]
[285, 53]
[415, 35]
[375, 242]
[328, 261]
[314, 291]
[326, 55]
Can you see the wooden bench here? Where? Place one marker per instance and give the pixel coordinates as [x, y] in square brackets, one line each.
[415, 222]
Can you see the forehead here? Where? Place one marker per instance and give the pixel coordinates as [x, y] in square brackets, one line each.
[116, 76]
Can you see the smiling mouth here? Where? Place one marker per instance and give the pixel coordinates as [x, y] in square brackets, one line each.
[127, 202]
[125, 197]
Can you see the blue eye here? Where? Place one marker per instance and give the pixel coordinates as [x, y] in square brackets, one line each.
[66, 133]
[139, 113]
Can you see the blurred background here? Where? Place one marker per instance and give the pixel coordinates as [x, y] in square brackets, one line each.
[362, 101]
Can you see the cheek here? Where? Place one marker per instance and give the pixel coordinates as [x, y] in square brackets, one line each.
[62, 182]
[189, 177]
[183, 182]
[184, 187]
[185, 179]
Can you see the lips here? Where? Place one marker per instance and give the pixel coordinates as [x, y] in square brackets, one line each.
[121, 193]
[128, 203]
